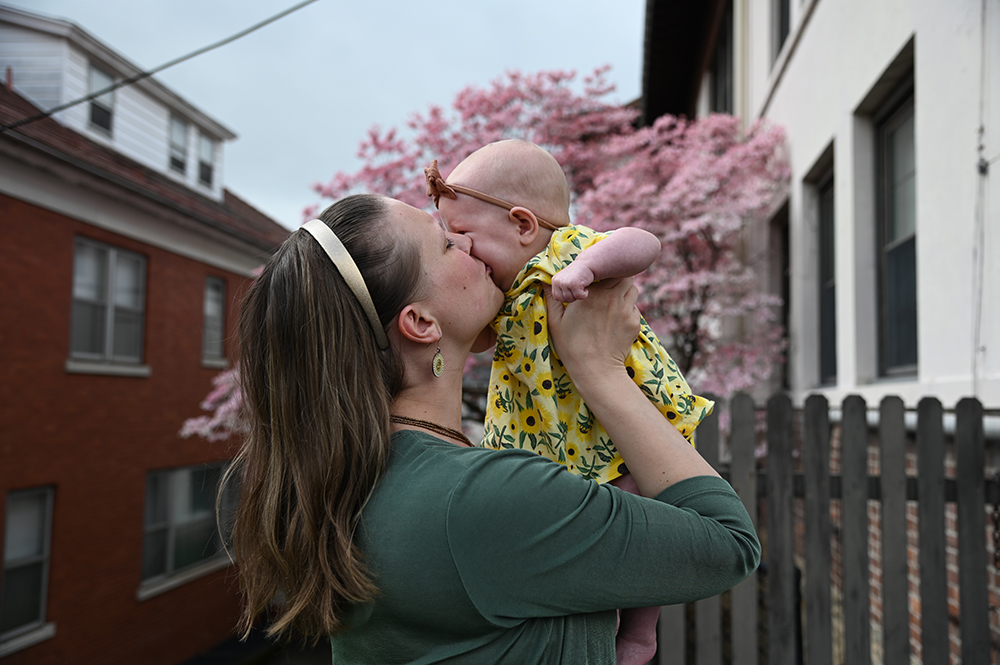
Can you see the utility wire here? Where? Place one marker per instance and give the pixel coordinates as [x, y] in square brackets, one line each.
[147, 74]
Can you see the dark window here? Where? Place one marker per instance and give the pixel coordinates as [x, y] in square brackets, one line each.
[24, 584]
[781, 20]
[206, 160]
[101, 107]
[827, 286]
[722, 65]
[897, 242]
[180, 522]
[178, 145]
[214, 310]
[109, 299]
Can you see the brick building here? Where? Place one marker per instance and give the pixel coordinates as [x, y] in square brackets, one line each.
[124, 258]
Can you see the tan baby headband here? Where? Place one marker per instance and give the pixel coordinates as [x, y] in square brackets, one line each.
[437, 187]
[345, 265]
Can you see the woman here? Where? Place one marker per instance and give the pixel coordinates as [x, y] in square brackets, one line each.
[363, 506]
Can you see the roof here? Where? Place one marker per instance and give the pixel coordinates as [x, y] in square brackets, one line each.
[677, 50]
[233, 217]
[98, 51]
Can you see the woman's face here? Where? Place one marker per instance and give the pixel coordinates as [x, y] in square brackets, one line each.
[457, 286]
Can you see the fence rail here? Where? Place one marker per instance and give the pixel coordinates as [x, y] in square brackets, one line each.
[844, 549]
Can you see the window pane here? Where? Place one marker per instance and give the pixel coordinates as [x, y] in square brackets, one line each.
[206, 149]
[90, 273]
[178, 135]
[100, 116]
[24, 535]
[901, 304]
[205, 173]
[213, 332]
[128, 281]
[827, 298]
[156, 499]
[128, 335]
[22, 596]
[98, 81]
[194, 542]
[154, 554]
[903, 181]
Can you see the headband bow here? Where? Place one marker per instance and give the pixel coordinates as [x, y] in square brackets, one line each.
[437, 187]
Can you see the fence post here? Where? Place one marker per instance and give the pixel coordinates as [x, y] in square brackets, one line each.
[708, 612]
[934, 640]
[971, 455]
[818, 530]
[854, 520]
[743, 477]
[780, 567]
[895, 583]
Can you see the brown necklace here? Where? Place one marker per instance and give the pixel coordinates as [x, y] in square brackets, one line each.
[434, 427]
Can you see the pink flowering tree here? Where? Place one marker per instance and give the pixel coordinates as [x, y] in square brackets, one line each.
[695, 184]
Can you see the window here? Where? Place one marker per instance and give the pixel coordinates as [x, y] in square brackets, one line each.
[180, 522]
[178, 145]
[897, 242]
[212, 347]
[24, 585]
[781, 20]
[827, 286]
[101, 107]
[206, 160]
[109, 287]
[722, 65]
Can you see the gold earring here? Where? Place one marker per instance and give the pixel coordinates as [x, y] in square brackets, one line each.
[437, 363]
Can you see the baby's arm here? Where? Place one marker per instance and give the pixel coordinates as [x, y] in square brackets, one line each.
[625, 252]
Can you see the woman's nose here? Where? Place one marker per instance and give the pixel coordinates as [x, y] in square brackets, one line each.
[463, 242]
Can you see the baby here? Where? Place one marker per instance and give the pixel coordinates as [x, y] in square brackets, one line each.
[512, 200]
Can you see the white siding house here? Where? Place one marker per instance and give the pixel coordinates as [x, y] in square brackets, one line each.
[53, 62]
[892, 221]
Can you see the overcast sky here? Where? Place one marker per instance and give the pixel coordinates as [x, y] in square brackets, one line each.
[300, 93]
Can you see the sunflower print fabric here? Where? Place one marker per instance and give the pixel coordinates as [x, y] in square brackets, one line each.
[532, 403]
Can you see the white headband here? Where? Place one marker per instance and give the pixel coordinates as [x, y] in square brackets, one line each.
[342, 260]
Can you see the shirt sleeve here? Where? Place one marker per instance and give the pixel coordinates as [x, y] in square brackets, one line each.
[530, 539]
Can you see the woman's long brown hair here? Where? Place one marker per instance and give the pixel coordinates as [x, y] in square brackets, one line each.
[316, 395]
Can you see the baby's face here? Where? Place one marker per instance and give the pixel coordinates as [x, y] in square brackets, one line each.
[495, 238]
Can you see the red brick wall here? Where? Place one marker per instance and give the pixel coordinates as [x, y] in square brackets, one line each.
[94, 438]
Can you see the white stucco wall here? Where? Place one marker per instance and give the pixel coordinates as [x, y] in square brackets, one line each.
[823, 89]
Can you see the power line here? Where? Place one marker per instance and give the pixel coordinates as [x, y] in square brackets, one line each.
[147, 74]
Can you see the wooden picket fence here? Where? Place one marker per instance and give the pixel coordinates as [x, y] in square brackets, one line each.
[784, 615]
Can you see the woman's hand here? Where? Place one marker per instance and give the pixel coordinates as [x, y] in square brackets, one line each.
[594, 336]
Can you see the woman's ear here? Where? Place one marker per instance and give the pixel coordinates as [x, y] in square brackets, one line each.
[416, 326]
[527, 224]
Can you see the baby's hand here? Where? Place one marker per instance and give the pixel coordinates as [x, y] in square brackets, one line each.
[571, 282]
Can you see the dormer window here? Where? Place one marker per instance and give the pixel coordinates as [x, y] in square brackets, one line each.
[178, 145]
[206, 160]
[101, 107]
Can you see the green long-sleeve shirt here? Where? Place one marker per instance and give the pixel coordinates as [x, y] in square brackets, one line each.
[486, 556]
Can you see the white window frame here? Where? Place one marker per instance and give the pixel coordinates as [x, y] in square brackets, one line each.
[107, 353]
[168, 521]
[206, 163]
[177, 159]
[104, 103]
[24, 635]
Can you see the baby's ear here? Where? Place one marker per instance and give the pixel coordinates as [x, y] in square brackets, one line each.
[527, 224]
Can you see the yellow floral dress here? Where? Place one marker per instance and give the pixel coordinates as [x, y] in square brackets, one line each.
[532, 403]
